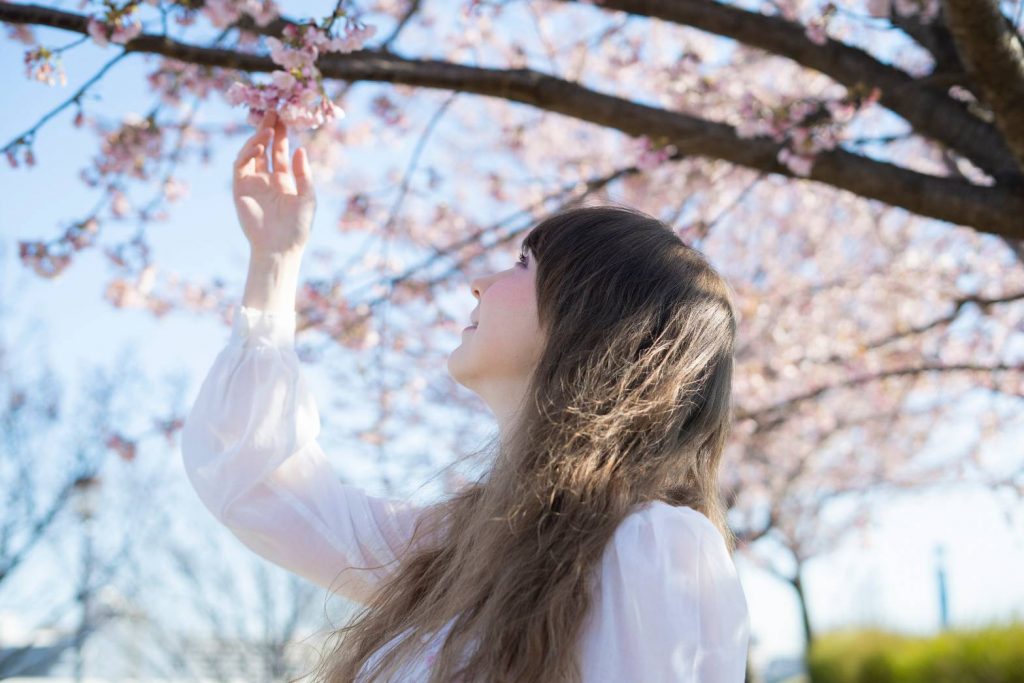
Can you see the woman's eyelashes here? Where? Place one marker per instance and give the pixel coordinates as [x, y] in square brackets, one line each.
[522, 261]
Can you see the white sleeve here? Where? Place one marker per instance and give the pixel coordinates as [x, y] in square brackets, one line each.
[669, 605]
[249, 449]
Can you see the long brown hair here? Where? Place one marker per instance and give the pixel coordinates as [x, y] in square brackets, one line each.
[629, 403]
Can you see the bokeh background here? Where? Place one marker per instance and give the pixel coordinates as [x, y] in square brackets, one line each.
[865, 498]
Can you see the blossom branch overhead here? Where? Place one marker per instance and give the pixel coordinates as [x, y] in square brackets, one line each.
[990, 208]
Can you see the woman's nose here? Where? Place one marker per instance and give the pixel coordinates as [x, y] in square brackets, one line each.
[476, 285]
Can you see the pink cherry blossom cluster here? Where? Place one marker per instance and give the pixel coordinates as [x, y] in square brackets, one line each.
[125, 448]
[11, 153]
[117, 25]
[129, 149]
[651, 154]
[169, 427]
[40, 67]
[224, 13]
[321, 303]
[386, 110]
[173, 77]
[137, 288]
[138, 293]
[174, 189]
[38, 257]
[297, 92]
[807, 127]
[50, 260]
[21, 33]
[816, 28]
[356, 214]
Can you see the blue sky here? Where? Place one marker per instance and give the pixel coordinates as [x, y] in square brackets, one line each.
[67, 321]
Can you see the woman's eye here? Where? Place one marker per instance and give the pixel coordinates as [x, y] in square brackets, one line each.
[522, 261]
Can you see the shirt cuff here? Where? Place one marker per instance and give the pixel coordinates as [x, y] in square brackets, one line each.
[254, 326]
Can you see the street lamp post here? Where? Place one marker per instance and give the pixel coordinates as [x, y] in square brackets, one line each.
[940, 571]
[84, 499]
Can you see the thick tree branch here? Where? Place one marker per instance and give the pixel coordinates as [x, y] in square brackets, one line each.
[935, 37]
[993, 210]
[930, 112]
[994, 58]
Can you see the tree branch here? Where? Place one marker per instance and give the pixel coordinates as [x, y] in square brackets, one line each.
[994, 210]
[778, 411]
[936, 38]
[930, 113]
[994, 58]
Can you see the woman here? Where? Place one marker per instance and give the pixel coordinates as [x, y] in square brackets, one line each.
[594, 549]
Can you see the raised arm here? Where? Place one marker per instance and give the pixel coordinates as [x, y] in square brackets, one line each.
[249, 444]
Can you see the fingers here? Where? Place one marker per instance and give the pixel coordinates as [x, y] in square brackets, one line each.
[303, 173]
[256, 145]
[280, 148]
[273, 134]
[255, 148]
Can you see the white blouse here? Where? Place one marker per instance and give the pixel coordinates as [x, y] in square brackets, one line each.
[669, 605]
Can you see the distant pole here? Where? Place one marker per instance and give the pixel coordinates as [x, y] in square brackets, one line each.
[940, 571]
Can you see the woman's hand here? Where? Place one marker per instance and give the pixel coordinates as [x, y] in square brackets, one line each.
[274, 207]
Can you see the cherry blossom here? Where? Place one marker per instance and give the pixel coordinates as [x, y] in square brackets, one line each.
[125, 448]
[117, 28]
[817, 28]
[651, 154]
[296, 92]
[131, 149]
[173, 79]
[43, 65]
[223, 13]
[807, 127]
[21, 33]
[37, 256]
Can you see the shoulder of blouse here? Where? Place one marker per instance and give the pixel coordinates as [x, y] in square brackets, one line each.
[664, 517]
[669, 605]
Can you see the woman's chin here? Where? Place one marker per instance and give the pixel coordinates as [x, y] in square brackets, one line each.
[457, 366]
[453, 364]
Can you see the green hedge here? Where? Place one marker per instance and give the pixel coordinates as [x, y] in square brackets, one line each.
[989, 655]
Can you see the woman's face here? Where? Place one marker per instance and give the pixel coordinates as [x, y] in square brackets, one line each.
[496, 357]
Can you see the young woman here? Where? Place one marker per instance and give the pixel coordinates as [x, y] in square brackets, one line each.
[594, 549]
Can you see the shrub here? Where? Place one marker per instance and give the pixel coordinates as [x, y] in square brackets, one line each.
[993, 654]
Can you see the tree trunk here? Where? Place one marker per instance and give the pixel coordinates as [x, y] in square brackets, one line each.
[802, 599]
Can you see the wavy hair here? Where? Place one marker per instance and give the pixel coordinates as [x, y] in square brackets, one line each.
[630, 402]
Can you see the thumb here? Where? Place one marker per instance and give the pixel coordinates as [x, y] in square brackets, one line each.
[303, 174]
